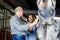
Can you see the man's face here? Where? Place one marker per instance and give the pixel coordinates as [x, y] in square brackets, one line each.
[20, 12]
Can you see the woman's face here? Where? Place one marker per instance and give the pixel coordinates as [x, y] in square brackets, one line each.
[30, 18]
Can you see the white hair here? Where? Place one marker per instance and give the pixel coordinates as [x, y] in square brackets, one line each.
[17, 8]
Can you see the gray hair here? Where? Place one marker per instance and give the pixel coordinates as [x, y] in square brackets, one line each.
[17, 8]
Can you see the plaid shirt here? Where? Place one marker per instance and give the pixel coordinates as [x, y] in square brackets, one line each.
[18, 26]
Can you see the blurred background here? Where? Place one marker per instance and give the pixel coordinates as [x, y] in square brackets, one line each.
[7, 10]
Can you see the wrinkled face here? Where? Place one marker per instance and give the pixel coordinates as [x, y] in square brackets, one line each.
[20, 12]
[30, 19]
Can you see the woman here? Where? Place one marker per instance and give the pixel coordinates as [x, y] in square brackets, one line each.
[31, 35]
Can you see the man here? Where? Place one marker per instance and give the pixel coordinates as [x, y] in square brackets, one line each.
[18, 29]
[48, 27]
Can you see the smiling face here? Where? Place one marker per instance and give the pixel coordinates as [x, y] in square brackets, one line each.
[30, 18]
[19, 12]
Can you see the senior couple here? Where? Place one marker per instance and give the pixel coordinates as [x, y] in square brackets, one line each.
[21, 31]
